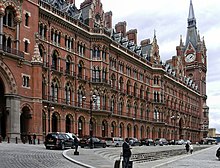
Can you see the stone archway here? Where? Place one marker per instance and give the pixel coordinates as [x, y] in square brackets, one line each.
[9, 104]
[181, 132]
[25, 123]
[55, 122]
[69, 123]
[81, 126]
[104, 128]
[3, 114]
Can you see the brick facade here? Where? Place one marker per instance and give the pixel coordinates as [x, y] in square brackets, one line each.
[55, 57]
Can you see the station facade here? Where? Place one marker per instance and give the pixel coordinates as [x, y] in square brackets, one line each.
[65, 69]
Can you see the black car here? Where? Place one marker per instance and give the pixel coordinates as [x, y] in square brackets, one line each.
[58, 140]
[96, 142]
[147, 141]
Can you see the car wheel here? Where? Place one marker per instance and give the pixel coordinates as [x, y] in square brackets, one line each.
[104, 145]
[47, 147]
[62, 146]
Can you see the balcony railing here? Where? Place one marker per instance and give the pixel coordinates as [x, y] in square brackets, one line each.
[12, 51]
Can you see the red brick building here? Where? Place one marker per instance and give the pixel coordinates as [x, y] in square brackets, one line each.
[69, 70]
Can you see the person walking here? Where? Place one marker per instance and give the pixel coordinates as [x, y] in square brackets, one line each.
[34, 139]
[29, 138]
[191, 148]
[187, 147]
[126, 153]
[76, 143]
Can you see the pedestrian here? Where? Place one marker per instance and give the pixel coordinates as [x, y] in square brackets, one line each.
[187, 147]
[191, 148]
[126, 152]
[76, 143]
[34, 138]
[29, 138]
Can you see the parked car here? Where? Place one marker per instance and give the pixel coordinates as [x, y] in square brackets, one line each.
[96, 142]
[181, 142]
[114, 141]
[161, 141]
[58, 141]
[72, 135]
[147, 141]
[209, 141]
[134, 141]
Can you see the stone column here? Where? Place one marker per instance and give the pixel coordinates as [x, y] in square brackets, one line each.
[13, 109]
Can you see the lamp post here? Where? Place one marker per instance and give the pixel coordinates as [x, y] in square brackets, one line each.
[49, 107]
[92, 101]
[174, 117]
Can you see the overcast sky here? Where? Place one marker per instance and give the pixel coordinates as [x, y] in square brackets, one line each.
[169, 19]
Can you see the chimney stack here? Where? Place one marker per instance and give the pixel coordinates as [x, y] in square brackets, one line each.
[121, 27]
[132, 35]
[145, 42]
[108, 20]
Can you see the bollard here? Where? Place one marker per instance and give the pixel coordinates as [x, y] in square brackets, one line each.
[0, 139]
[8, 140]
[38, 141]
[16, 140]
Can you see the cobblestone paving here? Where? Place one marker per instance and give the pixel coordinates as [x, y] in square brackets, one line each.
[32, 156]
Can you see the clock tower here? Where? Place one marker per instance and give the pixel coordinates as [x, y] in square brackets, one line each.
[194, 53]
[195, 62]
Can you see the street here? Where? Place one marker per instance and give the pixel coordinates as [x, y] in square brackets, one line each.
[32, 156]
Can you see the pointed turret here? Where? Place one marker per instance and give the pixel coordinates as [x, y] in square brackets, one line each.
[191, 16]
[191, 29]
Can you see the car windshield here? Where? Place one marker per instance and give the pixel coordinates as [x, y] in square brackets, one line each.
[51, 136]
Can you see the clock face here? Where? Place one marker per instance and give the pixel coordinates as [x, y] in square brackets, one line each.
[190, 58]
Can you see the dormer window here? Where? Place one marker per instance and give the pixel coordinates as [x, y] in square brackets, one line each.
[97, 21]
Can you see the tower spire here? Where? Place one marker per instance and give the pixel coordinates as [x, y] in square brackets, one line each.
[191, 16]
[191, 29]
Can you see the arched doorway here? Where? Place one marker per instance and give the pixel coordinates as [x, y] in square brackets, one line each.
[69, 120]
[135, 131]
[121, 130]
[44, 124]
[92, 127]
[81, 126]
[113, 129]
[142, 132]
[3, 114]
[181, 133]
[129, 130]
[25, 123]
[55, 121]
[104, 128]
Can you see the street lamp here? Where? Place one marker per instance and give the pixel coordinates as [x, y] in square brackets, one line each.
[49, 107]
[92, 101]
[174, 117]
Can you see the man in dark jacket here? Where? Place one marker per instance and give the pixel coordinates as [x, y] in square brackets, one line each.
[126, 152]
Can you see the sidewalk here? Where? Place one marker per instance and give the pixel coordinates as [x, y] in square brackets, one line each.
[105, 157]
[88, 158]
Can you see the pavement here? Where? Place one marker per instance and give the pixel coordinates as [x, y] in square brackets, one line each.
[105, 157]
